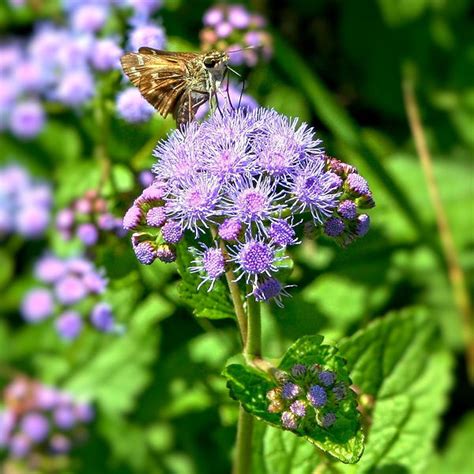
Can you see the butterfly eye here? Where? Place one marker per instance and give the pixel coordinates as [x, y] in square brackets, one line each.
[210, 62]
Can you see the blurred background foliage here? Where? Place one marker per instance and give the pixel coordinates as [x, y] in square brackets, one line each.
[162, 405]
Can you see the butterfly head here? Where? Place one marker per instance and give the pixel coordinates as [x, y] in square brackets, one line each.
[215, 63]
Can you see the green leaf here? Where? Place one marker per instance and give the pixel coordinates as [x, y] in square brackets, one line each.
[6, 268]
[391, 360]
[390, 350]
[403, 11]
[213, 304]
[119, 371]
[458, 456]
[344, 439]
[280, 452]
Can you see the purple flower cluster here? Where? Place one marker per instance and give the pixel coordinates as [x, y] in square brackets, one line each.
[306, 396]
[86, 217]
[70, 290]
[25, 204]
[63, 64]
[38, 419]
[249, 181]
[233, 28]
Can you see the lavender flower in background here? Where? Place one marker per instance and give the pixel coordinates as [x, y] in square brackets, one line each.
[234, 28]
[303, 401]
[132, 107]
[40, 420]
[70, 294]
[25, 203]
[254, 179]
[147, 34]
[66, 64]
[88, 219]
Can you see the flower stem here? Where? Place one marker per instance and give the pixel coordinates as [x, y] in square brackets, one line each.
[252, 349]
[236, 297]
[455, 271]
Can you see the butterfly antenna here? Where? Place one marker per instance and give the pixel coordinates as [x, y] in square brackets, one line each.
[241, 91]
[214, 93]
[228, 93]
[234, 71]
[255, 46]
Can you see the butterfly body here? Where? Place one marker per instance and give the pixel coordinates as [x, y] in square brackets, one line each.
[177, 83]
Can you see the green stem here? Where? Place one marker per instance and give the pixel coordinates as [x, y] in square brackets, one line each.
[455, 271]
[252, 349]
[235, 295]
[102, 140]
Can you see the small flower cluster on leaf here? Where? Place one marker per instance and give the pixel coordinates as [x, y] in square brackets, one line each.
[86, 218]
[234, 28]
[245, 184]
[306, 395]
[40, 420]
[70, 292]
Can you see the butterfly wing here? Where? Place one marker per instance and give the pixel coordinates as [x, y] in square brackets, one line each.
[161, 76]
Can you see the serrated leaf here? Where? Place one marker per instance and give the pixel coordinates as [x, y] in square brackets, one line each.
[391, 360]
[344, 439]
[213, 304]
[389, 350]
[280, 452]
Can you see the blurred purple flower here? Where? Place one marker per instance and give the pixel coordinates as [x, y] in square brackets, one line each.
[32, 221]
[37, 305]
[102, 317]
[132, 107]
[20, 445]
[89, 18]
[75, 88]
[60, 444]
[49, 269]
[70, 289]
[149, 35]
[27, 119]
[106, 54]
[69, 325]
[88, 233]
[64, 417]
[35, 426]
[213, 16]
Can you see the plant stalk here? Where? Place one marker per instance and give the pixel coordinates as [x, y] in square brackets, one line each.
[455, 271]
[252, 350]
[236, 298]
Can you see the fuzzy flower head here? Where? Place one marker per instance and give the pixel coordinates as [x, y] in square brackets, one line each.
[248, 182]
[305, 396]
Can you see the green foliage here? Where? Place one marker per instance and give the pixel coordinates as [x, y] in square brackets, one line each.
[404, 387]
[280, 452]
[344, 439]
[458, 456]
[162, 405]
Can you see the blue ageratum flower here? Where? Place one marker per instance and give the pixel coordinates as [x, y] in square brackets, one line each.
[244, 184]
